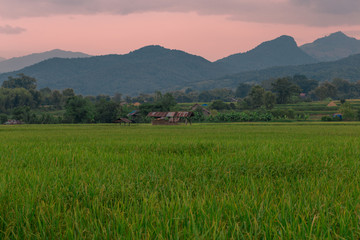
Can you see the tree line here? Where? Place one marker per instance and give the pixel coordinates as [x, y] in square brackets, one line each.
[20, 99]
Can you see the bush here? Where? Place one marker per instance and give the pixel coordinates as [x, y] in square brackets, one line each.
[326, 118]
[3, 118]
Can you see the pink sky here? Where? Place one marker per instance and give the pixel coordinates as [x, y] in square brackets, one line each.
[211, 32]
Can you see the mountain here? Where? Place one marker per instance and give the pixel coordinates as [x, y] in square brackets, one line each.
[346, 68]
[14, 64]
[143, 71]
[2, 59]
[278, 52]
[333, 47]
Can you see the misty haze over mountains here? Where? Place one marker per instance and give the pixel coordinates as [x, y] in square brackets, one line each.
[154, 68]
[17, 63]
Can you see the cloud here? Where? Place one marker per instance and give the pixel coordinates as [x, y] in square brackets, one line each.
[307, 12]
[7, 29]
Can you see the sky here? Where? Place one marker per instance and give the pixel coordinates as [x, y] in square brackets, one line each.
[212, 29]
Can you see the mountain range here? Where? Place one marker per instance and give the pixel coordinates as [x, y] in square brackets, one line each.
[333, 47]
[2, 59]
[278, 52]
[346, 68]
[17, 63]
[154, 68]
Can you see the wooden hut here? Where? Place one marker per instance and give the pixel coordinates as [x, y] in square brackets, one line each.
[204, 111]
[123, 120]
[170, 118]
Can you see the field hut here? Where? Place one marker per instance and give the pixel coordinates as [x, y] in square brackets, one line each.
[123, 120]
[332, 104]
[13, 122]
[197, 107]
[170, 118]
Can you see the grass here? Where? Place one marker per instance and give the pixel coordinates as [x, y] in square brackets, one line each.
[206, 181]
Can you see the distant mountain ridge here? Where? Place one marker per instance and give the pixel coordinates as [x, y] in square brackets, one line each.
[281, 51]
[333, 47]
[17, 63]
[2, 59]
[346, 68]
[153, 68]
[142, 71]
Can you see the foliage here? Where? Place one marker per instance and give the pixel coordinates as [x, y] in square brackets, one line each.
[348, 112]
[106, 111]
[79, 110]
[284, 89]
[326, 90]
[3, 118]
[242, 90]
[219, 105]
[21, 81]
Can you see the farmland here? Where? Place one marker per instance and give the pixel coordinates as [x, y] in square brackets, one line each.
[205, 181]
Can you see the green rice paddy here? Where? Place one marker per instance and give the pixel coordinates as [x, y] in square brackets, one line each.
[205, 181]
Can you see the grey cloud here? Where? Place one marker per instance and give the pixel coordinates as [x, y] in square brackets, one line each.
[308, 12]
[7, 29]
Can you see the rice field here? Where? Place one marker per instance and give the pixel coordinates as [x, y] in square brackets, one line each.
[205, 181]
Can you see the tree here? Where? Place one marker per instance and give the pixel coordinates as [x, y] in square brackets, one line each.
[56, 98]
[167, 101]
[325, 90]
[347, 111]
[304, 83]
[106, 111]
[205, 96]
[242, 90]
[11, 98]
[219, 105]
[79, 110]
[256, 96]
[3, 118]
[21, 81]
[284, 89]
[269, 100]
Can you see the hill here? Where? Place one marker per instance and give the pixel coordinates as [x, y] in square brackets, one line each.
[278, 52]
[332, 47]
[142, 71]
[17, 63]
[347, 68]
[2, 59]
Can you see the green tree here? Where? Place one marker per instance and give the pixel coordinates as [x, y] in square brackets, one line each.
[242, 90]
[56, 98]
[269, 100]
[347, 111]
[325, 90]
[167, 101]
[21, 81]
[284, 89]
[3, 118]
[79, 110]
[304, 83]
[219, 105]
[256, 96]
[106, 111]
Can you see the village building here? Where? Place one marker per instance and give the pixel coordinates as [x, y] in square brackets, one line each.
[123, 120]
[197, 107]
[13, 122]
[170, 118]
